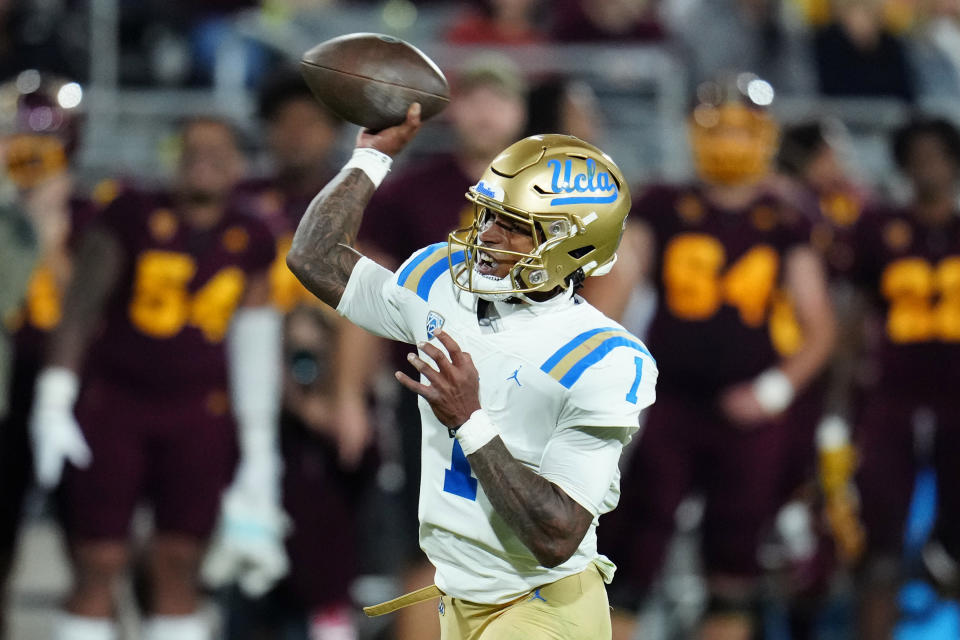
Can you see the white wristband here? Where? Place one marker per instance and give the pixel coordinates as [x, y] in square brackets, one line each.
[57, 387]
[477, 431]
[833, 432]
[372, 162]
[773, 390]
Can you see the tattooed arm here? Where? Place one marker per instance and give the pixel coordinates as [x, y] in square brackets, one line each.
[322, 256]
[547, 520]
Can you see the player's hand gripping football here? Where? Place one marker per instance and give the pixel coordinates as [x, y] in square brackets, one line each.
[392, 140]
[454, 389]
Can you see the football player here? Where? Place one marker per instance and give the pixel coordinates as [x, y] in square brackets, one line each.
[812, 176]
[167, 288]
[40, 128]
[717, 252]
[908, 262]
[301, 137]
[416, 205]
[528, 393]
[820, 186]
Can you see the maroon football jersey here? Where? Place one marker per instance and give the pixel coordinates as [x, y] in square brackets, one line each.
[42, 307]
[832, 218]
[281, 208]
[717, 275]
[166, 321]
[913, 270]
[417, 206]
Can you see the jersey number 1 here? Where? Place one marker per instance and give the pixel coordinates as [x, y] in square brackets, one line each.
[458, 479]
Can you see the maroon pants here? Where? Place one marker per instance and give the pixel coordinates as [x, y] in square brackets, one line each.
[888, 466]
[16, 461]
[175, 451]
[323, 500]
[688, 446]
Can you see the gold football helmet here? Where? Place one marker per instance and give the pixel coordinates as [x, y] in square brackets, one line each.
[39, 121]
[733, 137]
[572, 198]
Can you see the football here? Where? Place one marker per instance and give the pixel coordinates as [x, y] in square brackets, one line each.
[371, 79]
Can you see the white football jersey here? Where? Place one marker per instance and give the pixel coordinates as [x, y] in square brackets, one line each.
[544, 368]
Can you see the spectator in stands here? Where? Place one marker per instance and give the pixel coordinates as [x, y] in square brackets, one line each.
[566, 106]
[719, 35]
[499, 22]
[31, 37]
[936, 49]
[600, 20]
[857, 56]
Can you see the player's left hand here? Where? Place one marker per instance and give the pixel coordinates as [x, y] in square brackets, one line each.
[454, 389]
[740, 405]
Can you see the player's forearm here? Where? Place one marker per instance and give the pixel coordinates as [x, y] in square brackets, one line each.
[321, 256]
[843, 364]
[810, 360]
[97, 266]
[546, 520]
[806, 284]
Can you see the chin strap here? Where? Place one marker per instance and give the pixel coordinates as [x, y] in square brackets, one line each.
[604, 268]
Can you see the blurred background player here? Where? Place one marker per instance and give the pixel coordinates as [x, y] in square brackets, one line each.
[417, 204]
[564, 105]
[18, 252]
[166, 289]
[301, 141]
[717, 251]
[814, 175]
[319, 489]
[325, 426]
[499, 22]
[908, 262]
[40, 131]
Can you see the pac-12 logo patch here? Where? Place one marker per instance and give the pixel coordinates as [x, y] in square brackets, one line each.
[434, 322]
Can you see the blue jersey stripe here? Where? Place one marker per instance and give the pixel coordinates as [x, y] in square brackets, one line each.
[570, 346]
[413, 264]
[597, 355]
[435, 271]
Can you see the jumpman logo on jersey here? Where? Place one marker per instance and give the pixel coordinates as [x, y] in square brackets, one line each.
[514, 376]
[536, 596]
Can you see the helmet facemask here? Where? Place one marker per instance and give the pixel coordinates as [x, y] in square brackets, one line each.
[530, 273]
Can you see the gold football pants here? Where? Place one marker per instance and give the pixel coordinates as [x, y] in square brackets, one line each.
[572, 608]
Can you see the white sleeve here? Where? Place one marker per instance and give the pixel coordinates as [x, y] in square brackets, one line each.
[611, 393]
[583, 462]
[371, 300]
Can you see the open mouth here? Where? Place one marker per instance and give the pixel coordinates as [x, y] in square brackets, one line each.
[485, 263]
